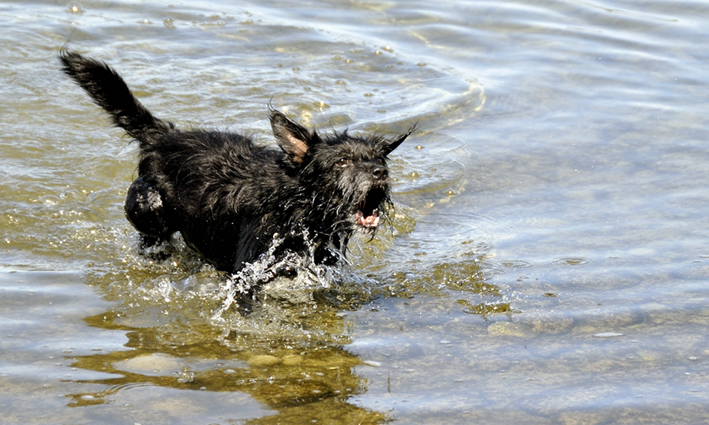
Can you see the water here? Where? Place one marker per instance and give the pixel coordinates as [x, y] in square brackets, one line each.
[546, 260]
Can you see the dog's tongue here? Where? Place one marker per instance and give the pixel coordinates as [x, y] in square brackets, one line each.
[369, 221]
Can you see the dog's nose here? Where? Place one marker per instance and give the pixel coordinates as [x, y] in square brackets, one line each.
[380, 172]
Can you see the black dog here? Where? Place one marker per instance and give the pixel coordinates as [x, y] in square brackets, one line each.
[229, 198]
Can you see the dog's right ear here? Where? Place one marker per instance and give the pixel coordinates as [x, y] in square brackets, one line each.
[389, 145]
[294, 139]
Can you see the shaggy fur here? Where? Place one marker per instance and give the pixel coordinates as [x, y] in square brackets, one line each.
[230, 198]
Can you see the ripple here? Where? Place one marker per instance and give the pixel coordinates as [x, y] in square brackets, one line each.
[571, 261]
[435, 166]
[515, 264]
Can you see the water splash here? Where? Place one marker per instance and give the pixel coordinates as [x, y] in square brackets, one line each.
[264, 278]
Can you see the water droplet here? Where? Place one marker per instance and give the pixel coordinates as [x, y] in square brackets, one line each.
[607, 335]
[74, 7]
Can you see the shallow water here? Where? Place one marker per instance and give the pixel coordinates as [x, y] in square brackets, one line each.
[545, 262]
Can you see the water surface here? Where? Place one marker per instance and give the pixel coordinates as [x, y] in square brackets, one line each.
[546, 259]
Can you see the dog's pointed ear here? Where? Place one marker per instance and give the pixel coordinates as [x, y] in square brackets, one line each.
[294, 139]
[390, 144]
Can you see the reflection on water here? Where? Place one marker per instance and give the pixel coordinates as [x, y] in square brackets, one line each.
[296, 379]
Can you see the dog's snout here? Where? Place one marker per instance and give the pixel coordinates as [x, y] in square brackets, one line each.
[380, 172]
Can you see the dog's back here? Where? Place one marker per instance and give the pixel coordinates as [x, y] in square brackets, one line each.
[223, 192]
[201, 183]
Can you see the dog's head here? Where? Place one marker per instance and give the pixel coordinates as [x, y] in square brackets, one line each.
[346, 177]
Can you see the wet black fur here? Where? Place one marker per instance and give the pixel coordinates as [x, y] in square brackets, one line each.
[227, 196]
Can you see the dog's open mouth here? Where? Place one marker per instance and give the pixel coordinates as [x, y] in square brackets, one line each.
[368, 221]
[367, 215]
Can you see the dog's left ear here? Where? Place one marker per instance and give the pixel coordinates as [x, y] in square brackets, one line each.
[389, 145]
[294, 139]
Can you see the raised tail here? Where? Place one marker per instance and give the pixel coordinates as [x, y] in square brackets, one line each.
[109, 91]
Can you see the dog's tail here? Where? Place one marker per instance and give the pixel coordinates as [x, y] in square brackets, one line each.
[109, 91]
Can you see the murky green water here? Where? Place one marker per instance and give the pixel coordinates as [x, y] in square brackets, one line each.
[547, 260]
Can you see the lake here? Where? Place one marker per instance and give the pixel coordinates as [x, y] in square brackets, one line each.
[546, 260]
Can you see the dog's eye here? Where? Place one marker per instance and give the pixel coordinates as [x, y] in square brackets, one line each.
[342, 162]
